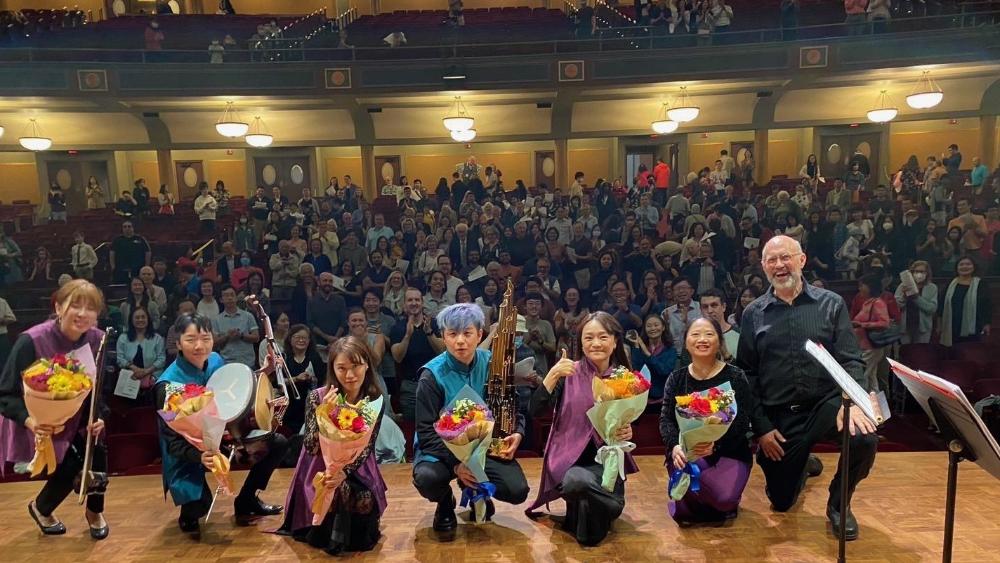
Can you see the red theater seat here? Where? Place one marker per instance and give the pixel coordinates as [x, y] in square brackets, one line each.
[128, 451]
[926, 357]
[960, 372]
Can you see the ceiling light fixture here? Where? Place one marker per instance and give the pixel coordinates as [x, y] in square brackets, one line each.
[34, 141]
[459, 119]
[1, 130]
[926, 93]
[665, 125]
[463, 136]
[884, 110]
[683, 110]
[230, 124]
[258, 136]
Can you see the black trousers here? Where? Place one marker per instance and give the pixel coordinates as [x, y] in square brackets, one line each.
[590, 508]
[257, 479]
[433, 480]
[61, 483]
[786, 478]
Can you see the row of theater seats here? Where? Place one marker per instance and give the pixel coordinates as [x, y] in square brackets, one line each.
[24, 23]
[972, 366]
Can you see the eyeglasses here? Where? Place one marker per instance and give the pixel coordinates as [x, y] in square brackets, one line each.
[784, 258]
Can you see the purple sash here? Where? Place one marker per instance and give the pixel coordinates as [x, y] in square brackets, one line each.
[566, 442]
[17, 443]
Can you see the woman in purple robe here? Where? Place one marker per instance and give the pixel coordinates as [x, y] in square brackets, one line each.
[77, 305]
[724, 464]
[569, 470]
[352, 524]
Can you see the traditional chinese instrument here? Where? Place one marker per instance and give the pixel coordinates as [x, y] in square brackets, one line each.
[501, 396]
[90, 481]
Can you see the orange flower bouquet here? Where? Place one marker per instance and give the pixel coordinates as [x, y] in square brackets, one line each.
[619, 399]
[190, 411]
[54, 390]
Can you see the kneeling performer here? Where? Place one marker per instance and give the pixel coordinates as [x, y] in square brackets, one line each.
[183, 465]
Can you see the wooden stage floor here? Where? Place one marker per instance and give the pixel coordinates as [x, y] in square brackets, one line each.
[900, 509]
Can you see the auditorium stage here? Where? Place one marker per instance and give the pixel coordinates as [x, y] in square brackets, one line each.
[900, 509]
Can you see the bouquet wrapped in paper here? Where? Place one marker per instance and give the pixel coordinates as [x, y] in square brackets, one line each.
[345, 430]
[702, 417]
[54, 390]
[619, 399]
[190, 410]
[466, 428]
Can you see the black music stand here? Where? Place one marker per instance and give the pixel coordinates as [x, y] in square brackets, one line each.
[967, 435]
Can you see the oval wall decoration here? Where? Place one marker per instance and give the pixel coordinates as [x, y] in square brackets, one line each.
[64, 179]
[297, 174]
[548, 167]
[388, 172]
[269, 174]
[190, 177]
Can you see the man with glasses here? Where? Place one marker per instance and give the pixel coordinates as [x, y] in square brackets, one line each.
[797, 402]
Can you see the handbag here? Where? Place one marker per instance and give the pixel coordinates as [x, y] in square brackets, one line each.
[882, 337]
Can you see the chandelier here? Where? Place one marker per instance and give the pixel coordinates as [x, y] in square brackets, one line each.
[230, 124]
[34, 141]
[683, 110]
[463, 136]
[926, 93]
[459, 119]
[665, 125]
[258, 135]
[884, 110]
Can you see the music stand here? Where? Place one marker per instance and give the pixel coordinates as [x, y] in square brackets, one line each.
[967, 434]
[852, 395]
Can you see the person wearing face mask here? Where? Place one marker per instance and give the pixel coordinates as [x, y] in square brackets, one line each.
[872, 315]
[74, 328]
[919, 303]
[244, 237]
[725, 464]
[890, 240]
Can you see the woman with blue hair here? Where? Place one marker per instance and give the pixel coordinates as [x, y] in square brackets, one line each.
[440, 380]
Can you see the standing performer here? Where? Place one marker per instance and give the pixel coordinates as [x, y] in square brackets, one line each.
[569, 470]
[352, 524]
[183, 465]
[798, 403]
[77, 305]
[440, 380]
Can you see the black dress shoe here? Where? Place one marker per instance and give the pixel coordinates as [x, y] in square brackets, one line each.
[852, 524]
[56, 529]
[189, 526]
[444, 517]
[99, 533]
[814, 467]
[246, 513]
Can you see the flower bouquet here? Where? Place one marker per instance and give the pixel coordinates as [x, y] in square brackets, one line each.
[190, 410]
[619, 399]
[345, 430]
[54, 391]
[466, 428]
[702, 417]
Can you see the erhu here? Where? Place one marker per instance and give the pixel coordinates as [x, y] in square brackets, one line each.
[281, 376]
[90, 481]
[501, 395]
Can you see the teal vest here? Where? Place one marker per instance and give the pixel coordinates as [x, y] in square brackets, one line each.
[185, 480]
[451, 376]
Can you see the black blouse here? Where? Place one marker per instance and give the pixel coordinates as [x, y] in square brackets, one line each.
[735, 443]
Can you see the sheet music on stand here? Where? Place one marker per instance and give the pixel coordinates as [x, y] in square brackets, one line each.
[961, 415]
[860, 397]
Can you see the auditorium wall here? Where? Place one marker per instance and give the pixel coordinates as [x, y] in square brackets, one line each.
[787, 149]
[19, 177]
[925, 138]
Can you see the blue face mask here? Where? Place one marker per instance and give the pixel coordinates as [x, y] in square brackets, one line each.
[518, 341]
[244, 261]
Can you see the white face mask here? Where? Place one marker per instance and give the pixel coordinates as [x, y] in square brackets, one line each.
[919, 277]
[887, 226]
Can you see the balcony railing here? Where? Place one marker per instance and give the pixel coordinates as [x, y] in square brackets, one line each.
[296, 49]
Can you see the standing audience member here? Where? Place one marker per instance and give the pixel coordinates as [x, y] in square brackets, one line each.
[414, 343]
[873, 316]
[918, 305]
[205, 206]
[235, 330]
[129, 252]
[142, 351]
[967, 308]
[57, 204]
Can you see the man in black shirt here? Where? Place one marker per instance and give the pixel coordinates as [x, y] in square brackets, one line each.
[129, 252]
[260, 208]
[413, 345]
[798, 403]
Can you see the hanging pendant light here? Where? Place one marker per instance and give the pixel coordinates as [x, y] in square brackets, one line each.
[34, 141]
[463, 136]
[926, 93]
[884, 111]
[683, 110]
[230, 124]
[664, 125]
[459, 119]
[1, 130]
[258, 136]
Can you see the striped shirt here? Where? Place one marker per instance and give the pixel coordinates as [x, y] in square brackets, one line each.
[772, 349]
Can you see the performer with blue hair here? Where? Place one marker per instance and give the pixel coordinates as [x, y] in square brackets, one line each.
[462, 363]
